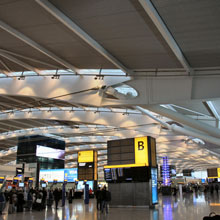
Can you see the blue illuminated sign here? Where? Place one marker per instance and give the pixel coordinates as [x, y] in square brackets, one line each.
[81, 185]
[154, 185]
[70, 174]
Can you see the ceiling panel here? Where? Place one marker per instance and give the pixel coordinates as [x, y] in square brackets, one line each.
[196, 28]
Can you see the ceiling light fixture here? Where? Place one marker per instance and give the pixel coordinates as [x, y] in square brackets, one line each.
[55, 77]
[21, 78]
[71, 110]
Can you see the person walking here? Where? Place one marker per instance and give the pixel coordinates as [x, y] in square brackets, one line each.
[57, 197]
[20, 203]
[216, 188]
[98, 198]
[106, 198]
[2, 202]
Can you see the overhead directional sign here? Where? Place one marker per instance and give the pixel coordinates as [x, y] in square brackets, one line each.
[85, 156]
[141, 151]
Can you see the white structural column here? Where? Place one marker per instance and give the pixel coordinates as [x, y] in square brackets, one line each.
[184, 131]
[185, 120]
[213, 111]
[19, 62]
[35, 45]
[180, 130]
[158, 22]
[81, 33]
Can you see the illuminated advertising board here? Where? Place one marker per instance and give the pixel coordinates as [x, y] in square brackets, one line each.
[50, 152]
[70, 174]
[59, 174]
[85, 156]
[81, 185]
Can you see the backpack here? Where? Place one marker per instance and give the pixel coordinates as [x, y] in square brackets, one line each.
[108, 196]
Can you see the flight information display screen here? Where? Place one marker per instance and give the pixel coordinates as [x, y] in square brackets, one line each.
[127, 174]
[154, 186]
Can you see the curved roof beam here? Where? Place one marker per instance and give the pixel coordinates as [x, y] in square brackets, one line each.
[81, 33]
[92, 132]
[28, 58]
[36, 46]
[20, 63]
[208, 129]
[162, 28]
[88, 117]
[6, 66]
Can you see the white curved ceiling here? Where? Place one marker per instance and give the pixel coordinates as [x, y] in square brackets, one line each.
[59, 71]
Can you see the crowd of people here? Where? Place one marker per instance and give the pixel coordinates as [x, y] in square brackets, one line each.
[212, 188]
[33, 199]
[37, 199]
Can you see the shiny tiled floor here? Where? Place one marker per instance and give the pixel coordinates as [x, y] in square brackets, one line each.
[190, 207]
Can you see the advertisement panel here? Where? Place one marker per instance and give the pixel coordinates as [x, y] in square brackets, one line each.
[59, 174]
[81, 185]
[70, 174]
[50, 175]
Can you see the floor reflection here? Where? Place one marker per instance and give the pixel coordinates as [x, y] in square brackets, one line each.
[190, 207]
[167, 208]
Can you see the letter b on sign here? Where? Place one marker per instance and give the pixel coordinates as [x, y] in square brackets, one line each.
[141, 151]
[140, 145]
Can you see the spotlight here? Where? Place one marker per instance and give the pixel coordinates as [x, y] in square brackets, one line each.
[99, 77]
[21, 78]
[55, 77]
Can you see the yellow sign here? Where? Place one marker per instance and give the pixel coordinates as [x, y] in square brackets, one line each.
[141, 151]
[85, 156]
[125, 165]
[218, 171]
